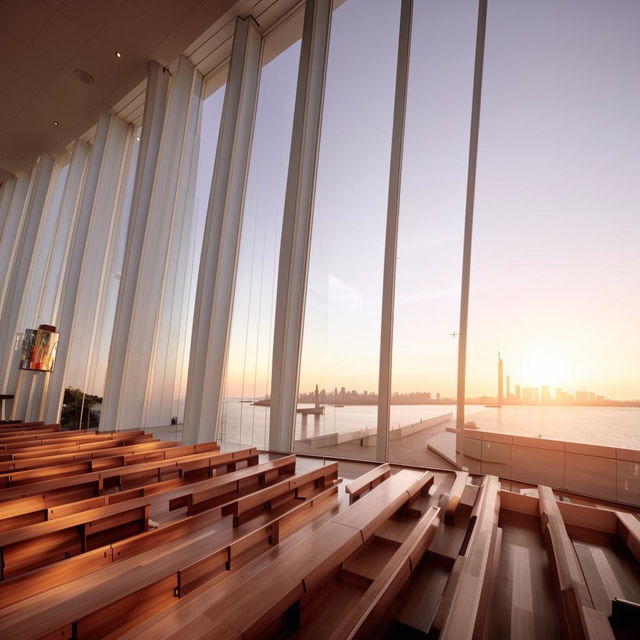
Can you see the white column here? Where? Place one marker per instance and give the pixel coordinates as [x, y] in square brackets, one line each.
[166, 387]
[216, 279]
[24, 253]
[12, 231]
[67, 217]
[154, 259]
[5, 200]
[106, 154]
[468, 221]
[154, 111]
[296, 224]
[391, 240]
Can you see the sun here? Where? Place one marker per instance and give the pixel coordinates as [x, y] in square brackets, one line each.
[545, 366]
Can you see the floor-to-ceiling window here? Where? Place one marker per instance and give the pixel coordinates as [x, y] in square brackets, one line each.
[245, 411]
[341, 343]
[555, 263]
[431, 227]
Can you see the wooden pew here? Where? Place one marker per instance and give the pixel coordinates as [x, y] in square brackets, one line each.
[150, 449]
[86, 485]
[363, 619]
[23, 586]
[59, 442]
[257, 603]
[580, 618]
[78, 527]
[367, 481]
[85, 462]
[48, 432]
[34, 508]
[455, 494]
[629, 530]
[109, 595]
[462, 613]
[279, 494]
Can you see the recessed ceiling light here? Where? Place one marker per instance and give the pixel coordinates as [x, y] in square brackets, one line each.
[84, 76]
[118, 54]
[55, 123]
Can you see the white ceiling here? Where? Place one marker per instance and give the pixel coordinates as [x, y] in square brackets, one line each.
[42, 42]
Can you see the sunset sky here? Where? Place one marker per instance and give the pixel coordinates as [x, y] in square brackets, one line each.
[556, 256]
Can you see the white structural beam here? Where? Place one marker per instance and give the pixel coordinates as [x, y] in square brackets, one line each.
[150, 291]
[69, 292]
[296, 224]
[154, 112]
[5, 201]
[20, 269]
[11, 231]
[391, 240]
[216, 278]
[468, 222]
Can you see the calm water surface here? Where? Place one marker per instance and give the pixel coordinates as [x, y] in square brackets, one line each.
[609, 426]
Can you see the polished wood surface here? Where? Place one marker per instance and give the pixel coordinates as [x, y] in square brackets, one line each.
[172, 541]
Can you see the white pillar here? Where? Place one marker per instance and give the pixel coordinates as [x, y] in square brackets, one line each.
[20, 270]
[296, 224]
[216, 279]
[154, 111]
[104, 160]
[391, 240]
[5, 200]
[468, 221]
[11, 232]
[150, 288]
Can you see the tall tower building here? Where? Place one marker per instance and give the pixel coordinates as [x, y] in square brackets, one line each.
[508, 388]
[500, 380]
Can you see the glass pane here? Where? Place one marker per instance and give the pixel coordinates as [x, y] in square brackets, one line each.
[341, 344]
[554, 284]
[431, 229]
[248, 377]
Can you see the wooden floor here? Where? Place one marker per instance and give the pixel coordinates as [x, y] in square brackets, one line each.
[123, 535]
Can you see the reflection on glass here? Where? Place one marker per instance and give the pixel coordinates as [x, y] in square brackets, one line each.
[248, 377]
[342, 320]
[431, 228]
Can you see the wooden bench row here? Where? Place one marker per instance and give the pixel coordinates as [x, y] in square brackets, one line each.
[367, 481]
[581, 619]
[85, 485]
[92, 460]
[148, 448]
[255, 604]
[77, 530]
[168, 473]
[158, 572]
[462, 613]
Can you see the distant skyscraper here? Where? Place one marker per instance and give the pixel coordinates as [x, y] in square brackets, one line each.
[500, 379]
[518, 398]
[545, 394]
[527, 394]
[508, 387]
[536, 395]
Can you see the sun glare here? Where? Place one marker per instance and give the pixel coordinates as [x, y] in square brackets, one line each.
[544, 366]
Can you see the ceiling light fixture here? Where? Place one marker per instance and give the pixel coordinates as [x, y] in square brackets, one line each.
[118, 54]
[84, 76]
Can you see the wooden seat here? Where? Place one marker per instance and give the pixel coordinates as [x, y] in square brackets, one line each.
[367, 481]
[255, 604]
[370, 610]
[455, 495]
[581, 619]
[89, 601]
[464, 601]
